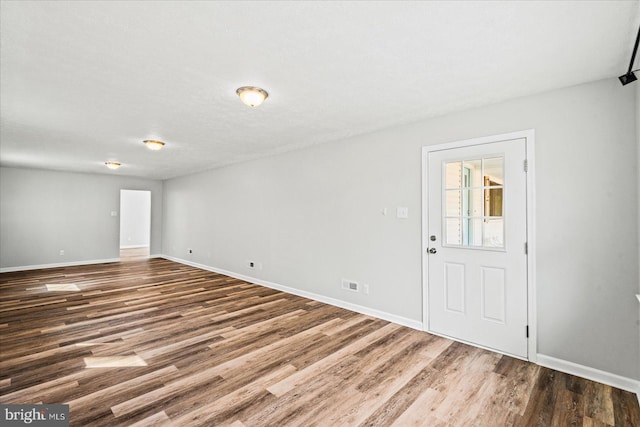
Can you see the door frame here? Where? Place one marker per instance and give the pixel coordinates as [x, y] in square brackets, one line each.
[529, 136]
[120, 217]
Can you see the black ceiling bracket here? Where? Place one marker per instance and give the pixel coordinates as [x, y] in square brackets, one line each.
[625, 79]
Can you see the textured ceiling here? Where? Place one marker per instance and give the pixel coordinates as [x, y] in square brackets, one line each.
[85, 82]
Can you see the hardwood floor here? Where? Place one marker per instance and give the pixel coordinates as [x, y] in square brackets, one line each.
[134, 254]
[175, 345]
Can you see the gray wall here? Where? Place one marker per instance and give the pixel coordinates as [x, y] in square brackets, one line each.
[312, 217]
[638, 200]
[43, 212]
[135, 218]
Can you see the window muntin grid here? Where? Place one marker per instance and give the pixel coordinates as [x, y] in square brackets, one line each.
[473, 203]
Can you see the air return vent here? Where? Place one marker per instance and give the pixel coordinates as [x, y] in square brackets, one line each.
[350, 285]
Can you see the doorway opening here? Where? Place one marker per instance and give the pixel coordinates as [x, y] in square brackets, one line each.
[135, 224]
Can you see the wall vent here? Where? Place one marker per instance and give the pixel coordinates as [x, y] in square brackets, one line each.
[350, 285]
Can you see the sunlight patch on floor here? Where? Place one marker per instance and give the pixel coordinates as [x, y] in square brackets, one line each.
[62, 287]
[114, 362]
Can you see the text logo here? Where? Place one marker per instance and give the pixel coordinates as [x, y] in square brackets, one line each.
[34, 415]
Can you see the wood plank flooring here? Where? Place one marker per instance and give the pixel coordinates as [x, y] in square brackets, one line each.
[134, 254]
[179, 346]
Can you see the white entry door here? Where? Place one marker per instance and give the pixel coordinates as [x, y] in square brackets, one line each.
[477, 232]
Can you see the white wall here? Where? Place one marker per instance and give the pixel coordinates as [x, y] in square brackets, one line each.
[135, 218]
[638, 200]
[312, 217]
[43, 212]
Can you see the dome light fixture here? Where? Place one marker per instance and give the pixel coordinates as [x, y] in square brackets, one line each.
[112, 165]
[154, 145]
[251, 95]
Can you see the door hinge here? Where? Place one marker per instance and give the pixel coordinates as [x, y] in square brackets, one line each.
[526, 248]
[526, 331]
[526, 166]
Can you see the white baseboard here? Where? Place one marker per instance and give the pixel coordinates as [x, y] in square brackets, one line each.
[133, 246]
[593, 374]
[414, 324]
[57, 264]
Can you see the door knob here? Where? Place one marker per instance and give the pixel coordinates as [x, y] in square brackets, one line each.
[432, 251]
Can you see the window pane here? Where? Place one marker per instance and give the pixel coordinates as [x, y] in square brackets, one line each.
[453, 205]
[494, 170]
[494, 233]
[493, 202]
[453, 175]
[453, 231]
[472, 232]
[472, 202]
[472, 170]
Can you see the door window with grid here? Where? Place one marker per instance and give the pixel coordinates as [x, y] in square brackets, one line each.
[474, 205]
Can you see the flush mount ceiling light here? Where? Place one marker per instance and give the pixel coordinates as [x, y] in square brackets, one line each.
[154, 145]
[251, 95]
[112, 165]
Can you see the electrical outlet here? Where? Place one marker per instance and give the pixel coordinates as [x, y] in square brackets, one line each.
[251, 264]
[190, 251]
[61, 251]
[365, 289]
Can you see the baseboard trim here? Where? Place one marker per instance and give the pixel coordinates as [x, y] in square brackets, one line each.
[57, 264]
[593, 374]
[133, 246]
[410, 323]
